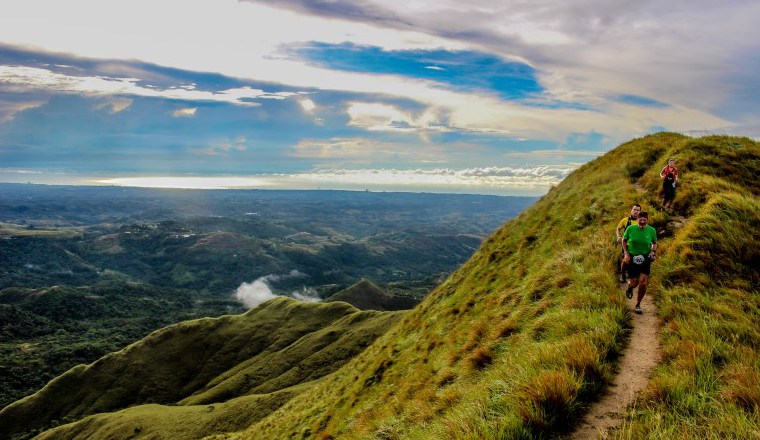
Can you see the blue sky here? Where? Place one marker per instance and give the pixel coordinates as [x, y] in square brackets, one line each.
[502, 97]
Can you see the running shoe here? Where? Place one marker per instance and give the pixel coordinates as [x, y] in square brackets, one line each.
[638, 310]
[629, 292]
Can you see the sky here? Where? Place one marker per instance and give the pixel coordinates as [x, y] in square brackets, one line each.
[491, 97]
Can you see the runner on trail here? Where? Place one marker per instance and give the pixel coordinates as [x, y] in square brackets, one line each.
[639, 245]
[669, 176]
[621, 227]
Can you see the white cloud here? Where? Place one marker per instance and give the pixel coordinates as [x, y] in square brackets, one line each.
[306, 295]
[490, 177]
[255, 293]
[348, 149]
[116, 104]
[483, 180]
[8, 110]
[554, 153]
[187, 182]
[259, 291]
[22, 78]
[20, 171]
[384, 117]
[676, 52]
[187, 112]
[307, 105]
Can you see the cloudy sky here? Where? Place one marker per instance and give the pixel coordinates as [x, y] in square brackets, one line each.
[484, 96]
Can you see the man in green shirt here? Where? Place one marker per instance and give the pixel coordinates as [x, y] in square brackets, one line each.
[619, 230]
[639, 245]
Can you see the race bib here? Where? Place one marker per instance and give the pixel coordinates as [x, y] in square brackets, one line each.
[639, 259]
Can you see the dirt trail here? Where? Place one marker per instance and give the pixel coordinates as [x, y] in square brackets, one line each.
[636, 365]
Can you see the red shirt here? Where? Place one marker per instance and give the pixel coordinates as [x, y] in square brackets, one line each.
[669, 170]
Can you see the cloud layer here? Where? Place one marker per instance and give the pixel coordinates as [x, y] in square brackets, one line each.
[357, 91]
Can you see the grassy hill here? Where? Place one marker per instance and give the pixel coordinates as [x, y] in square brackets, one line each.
[525, 335]
[366, 295]
[274, 347]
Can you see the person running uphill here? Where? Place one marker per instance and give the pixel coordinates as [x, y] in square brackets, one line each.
[619, 230]
[669, 176]
[639, 245]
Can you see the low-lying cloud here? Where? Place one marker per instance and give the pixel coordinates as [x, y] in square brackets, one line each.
[259, 291]
[485, 180]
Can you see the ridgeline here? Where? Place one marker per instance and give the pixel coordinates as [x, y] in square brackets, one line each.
[516, 344]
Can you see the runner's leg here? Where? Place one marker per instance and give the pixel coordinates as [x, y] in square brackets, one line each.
[642, 282]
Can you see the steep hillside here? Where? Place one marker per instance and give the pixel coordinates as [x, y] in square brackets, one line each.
[271, 349]
[525, 335]
[366, 295]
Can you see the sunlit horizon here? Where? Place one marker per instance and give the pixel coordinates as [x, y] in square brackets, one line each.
[534, 181]
[499, 181]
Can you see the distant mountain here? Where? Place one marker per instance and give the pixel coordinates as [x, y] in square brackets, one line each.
[366, 295]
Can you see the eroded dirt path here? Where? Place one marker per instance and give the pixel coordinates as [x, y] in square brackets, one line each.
[637, 362]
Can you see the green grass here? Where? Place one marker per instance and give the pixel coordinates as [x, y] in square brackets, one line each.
[519, 341]
[271, 348]
[177, 422]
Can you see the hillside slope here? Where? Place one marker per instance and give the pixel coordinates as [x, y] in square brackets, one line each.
[525, 335]
[274, 347]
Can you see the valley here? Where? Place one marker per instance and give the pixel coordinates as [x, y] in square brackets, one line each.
[85, 271]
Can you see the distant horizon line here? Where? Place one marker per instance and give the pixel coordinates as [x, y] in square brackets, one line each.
[511, 181]
[83, 185]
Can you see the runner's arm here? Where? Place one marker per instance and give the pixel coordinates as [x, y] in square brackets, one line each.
[620, 225]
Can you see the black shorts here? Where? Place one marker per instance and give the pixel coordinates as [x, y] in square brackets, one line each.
[669, 189]
[634, 270]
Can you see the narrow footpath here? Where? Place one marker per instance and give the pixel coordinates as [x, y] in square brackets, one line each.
[637, 362]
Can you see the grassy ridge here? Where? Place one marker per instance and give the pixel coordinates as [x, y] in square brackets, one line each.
[275, 346]
[176, 422]
[525, 335]
[708, 385]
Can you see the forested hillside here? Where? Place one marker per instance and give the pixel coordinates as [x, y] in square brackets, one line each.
[85, 271]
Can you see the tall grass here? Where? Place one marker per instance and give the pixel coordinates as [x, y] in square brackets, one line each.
[708, 385]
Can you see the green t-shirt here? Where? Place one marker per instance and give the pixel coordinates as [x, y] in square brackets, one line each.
[640, 240]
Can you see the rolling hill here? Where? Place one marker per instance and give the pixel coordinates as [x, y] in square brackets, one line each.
[267, 350]
[516, 344]
[366, 295]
